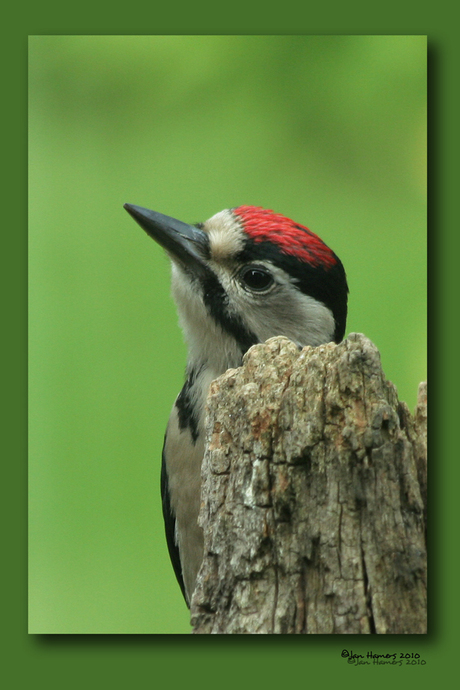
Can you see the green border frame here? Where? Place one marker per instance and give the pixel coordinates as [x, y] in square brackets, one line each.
[123, 660]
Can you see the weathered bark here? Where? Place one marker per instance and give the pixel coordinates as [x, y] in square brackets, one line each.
[314, 496]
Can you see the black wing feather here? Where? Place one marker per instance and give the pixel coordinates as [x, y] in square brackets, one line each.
[170, 526]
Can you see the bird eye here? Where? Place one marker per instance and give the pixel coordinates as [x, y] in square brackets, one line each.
[256, 278]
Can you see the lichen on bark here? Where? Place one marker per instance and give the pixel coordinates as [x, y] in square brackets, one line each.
[313, 496]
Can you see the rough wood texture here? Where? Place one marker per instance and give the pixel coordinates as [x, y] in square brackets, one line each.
[314, 496]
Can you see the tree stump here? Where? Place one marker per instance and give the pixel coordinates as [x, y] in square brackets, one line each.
[313, 496]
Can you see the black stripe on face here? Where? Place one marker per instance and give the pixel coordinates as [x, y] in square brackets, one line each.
[325, 284]
[216, 302]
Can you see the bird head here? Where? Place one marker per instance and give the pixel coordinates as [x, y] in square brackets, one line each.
[248, 274]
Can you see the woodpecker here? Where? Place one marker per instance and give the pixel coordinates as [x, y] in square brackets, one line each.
[243, 276]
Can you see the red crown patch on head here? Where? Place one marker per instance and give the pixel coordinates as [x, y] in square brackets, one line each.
[263, 225]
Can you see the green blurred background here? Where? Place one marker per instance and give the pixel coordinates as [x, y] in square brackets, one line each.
[328, 130]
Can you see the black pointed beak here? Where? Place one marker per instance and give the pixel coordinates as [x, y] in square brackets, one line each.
[184, 243]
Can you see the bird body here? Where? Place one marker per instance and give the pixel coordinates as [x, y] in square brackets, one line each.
[243, 276]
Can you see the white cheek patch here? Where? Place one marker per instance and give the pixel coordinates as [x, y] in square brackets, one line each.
[225, 236]
[287, 312]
